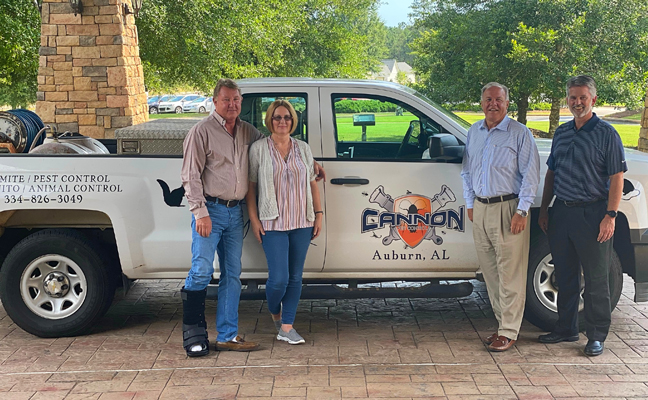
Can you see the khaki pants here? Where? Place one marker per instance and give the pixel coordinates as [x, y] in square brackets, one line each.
[503, 258]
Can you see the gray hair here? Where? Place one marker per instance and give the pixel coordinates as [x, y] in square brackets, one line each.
[495, 84]
[580, 81]
[225, 82]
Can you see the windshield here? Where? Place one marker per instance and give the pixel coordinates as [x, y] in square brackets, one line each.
[153, 99]
[199, 100]
[177, 98]
[455, 118]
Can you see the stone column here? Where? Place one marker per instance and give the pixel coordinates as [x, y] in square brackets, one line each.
[90, 78]
[643, 133]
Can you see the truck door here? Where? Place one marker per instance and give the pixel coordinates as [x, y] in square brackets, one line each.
[391, 207]
[253, 110]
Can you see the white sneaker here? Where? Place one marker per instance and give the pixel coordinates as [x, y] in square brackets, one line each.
[291, 337]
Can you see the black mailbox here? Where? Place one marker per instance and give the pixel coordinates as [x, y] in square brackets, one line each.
[364, 120]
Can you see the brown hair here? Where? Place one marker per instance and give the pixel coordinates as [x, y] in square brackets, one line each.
[225, 82]
[270, 113]
[582, 81]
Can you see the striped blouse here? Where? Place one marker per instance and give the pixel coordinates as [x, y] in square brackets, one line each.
[291, 180]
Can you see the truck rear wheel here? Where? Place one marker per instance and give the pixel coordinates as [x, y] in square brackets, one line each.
[54, 283]
[542, 293]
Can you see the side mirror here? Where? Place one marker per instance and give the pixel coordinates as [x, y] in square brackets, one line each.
[445, 148]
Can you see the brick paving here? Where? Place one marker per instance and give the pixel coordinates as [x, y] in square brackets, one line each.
[355, 349]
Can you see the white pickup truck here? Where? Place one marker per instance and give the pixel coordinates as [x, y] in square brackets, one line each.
[76, 227]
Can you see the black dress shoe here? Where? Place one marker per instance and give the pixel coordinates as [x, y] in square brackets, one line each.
[554, 337]
[594, 348]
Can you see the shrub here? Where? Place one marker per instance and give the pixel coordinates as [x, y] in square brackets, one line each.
[364, 106]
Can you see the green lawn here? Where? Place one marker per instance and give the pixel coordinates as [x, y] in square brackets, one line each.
[388, 128]
[629, 133]
[392, 128]
[634, 117]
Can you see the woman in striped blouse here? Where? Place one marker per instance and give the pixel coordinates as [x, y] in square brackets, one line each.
[286, 214]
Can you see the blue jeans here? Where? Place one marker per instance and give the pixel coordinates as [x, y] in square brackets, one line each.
[286, 254]
[227, 236]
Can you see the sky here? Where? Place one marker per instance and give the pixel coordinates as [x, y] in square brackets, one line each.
[394, 11]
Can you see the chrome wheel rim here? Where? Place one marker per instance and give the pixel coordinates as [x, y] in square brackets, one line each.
[53, 286]
[544, 285]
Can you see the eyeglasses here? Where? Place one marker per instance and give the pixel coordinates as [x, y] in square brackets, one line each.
[278, 118]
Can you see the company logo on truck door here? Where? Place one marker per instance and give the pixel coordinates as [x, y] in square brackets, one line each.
[412, 218]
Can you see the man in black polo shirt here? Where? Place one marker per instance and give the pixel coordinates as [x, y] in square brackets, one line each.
[586, 167]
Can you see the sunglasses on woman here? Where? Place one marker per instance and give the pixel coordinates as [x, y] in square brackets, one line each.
[286, 118]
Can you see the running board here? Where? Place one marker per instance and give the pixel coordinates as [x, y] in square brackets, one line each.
[430, 290]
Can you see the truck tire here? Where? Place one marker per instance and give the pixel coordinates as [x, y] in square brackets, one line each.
[55, 283]
[541, 292]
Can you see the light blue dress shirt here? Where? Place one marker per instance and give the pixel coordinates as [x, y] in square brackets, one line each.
[500, 161]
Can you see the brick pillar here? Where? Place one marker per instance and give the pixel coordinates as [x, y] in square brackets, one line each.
[90, 78]
[643, 133]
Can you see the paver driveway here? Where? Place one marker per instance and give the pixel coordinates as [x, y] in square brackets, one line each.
[372, 348]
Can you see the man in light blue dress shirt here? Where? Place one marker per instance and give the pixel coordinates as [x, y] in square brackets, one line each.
[501, 173]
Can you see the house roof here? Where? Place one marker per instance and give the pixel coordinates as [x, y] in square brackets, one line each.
[390, 63]
[404, 67]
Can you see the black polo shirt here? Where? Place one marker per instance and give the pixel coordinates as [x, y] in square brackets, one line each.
[583, 160]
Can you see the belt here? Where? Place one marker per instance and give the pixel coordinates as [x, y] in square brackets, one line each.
[579, 203]
[496, 199]
[226, 203]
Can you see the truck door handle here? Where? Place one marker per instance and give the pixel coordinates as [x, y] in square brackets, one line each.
[350, 181]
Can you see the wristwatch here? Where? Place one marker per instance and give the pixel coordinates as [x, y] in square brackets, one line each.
[611, 213]
[522, 213]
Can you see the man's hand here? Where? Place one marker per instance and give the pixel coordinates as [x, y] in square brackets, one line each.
[543, 220]
[518, 223]
[204, 226]
[319, 171]
[470, 214]
[606, 229]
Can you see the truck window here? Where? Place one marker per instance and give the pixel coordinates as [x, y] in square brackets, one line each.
[379, 128]
[254, 107]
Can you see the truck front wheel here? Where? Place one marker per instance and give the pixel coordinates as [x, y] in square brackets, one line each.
[542, 293]
[54, 283]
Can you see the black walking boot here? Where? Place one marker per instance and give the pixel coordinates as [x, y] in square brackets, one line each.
[194, 327]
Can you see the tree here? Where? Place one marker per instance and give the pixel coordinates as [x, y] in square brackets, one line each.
[532, 46]
[335, 39]
[398, 40]
[195, 43]
[19, 44]
[463, 45]
[594, 37]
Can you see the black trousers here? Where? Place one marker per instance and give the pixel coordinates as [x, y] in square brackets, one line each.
[572, 238]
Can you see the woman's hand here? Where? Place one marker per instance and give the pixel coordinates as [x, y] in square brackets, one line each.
[257, 229]
[317, 227]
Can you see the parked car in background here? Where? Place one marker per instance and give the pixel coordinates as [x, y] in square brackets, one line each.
[200, 105]
[154, 103]
[176, 103]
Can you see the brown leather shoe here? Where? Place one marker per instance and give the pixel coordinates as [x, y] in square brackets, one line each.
[490, 339]
[237, 344]
[502, 343]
